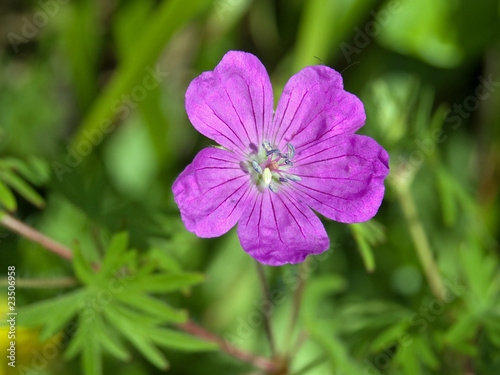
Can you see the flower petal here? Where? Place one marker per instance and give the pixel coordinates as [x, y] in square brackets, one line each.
[342, 177]
[314, 103]
[276, 229]
[232, 104]
[212, 192]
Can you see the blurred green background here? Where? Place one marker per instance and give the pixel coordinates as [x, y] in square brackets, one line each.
[93, 132]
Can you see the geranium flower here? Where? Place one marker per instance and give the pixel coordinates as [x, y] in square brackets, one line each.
[273, 171]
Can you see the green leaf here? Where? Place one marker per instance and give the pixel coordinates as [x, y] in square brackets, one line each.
[165, 21]
[54, 313]
[179, 340]
[152, 307]
[91, 357]
[129, 329]
[409, 361]
[109, 340]
[23, 188]
[113, 258]
[7, 199]
[82, 267]
[364, 248]
[462, 330]
[326, 23]
[163, 260]
[167, 282]
[424, 349]
[390, 335]
[36, 172]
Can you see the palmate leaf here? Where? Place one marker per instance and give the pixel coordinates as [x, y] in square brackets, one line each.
[162, 283]
[113, 259]
[132, 331]
[152, 306]
[7, 199]
[177, 340]
[53, 314]
[13, 176]
[114, 307]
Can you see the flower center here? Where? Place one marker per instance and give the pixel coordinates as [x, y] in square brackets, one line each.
[268, 167]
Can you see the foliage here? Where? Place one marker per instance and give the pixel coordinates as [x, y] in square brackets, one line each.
[93, 132]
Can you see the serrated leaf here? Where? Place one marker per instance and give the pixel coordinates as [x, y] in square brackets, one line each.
[109, 341]
[21, 168]
[82, 267]
[112, 259]
[7, 199]
[143, 344]
[425, 352]
[22, 187]
[54, 312]
[390, 335]
[408, 359]
[336, 351]
[91, 358]
[179, 340]
[462, 330]
[41, 168]
[167, 282]
[153, 307]
[76, 344]
[164, 260]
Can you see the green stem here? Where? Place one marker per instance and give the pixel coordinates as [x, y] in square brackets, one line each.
[297, 300]
[419, 238]
[266, 300]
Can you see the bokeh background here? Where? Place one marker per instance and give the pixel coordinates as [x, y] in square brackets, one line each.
[93, 132]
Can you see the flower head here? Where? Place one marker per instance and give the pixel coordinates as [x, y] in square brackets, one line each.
[274, 170]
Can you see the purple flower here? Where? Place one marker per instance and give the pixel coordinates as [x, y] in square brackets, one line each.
[273, 169]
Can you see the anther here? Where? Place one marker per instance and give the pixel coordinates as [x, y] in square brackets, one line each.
[282, 179]
[273, 188]
[266, 145]
[289, 162]
[291, 150]
[256, 166]
[292, 177]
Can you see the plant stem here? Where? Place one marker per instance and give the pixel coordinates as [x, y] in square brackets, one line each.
[297, 300]
[266, 300]
[66, 253]
[419, 238]
[259, 362]
[62, 282]
[31, 234]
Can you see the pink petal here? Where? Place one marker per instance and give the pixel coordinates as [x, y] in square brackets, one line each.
[232, 104]
[342, 176]
[212, 192]
[314, 103]
[276, 229]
